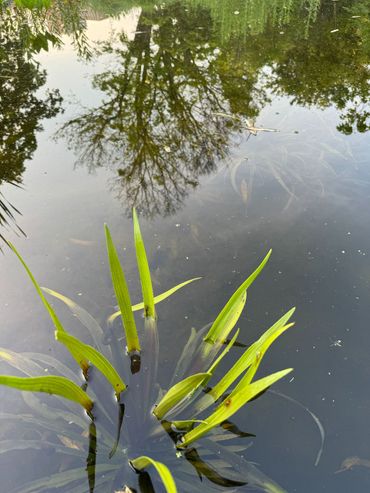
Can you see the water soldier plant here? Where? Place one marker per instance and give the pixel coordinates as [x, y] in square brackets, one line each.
[167, 424]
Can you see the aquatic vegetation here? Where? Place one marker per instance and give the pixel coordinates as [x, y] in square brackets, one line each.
[181, 413]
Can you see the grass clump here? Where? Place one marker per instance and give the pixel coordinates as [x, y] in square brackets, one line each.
[189, 412]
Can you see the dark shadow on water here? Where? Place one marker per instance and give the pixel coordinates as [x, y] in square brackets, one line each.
[91, 458]
[204, 469]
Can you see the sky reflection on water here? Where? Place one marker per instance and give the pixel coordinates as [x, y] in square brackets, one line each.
[145, 120]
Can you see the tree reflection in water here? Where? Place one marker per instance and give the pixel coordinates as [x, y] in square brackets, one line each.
[21, 109]
[162, 125]
[159, 125]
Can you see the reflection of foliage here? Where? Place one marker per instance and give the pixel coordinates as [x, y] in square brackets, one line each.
[240, 18]
[68, 17]
[328, 69]
[21, 111]
[159, 126]
[44, 24]
[325, 67]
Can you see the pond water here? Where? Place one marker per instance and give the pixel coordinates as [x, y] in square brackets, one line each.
[233, 127]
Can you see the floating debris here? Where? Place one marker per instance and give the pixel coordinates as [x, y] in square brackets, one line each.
[249, 124]
[69, 443]
[336, 343]
[78, 241]
[351, 462]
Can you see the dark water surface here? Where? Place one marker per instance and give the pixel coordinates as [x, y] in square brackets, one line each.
[170, 108]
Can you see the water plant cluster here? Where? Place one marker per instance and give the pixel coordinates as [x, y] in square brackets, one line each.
[185, 425]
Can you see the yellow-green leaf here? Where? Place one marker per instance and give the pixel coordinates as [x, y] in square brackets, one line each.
[224, 322]
[178, 392]
[51, 385]
[248, 357]
[260, 352]
[157, 299]
[231, 405]
[122, 295]
[224, 353]
[143, 462]
[144, 271]
[96, 358]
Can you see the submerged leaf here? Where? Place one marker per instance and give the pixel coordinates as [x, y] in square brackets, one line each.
[189, 353]
[15, 444]
[78, 357]
[50, 362]
[313, 416]
[52, 414]
[256, 479]
[20, 362]
[143, 462]
[51, 385]
[83, 316]
[69, 443]
[122, 295]
[60, 479]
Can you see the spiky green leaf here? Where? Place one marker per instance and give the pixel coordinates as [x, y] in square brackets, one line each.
[122, 295]
[251, 356]
[157, 299]
[231, 405]
[225, 321]
[260, 352]
[143, 462]
[178, 392]
[144, 271]
[51, 385]
[96, 358]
